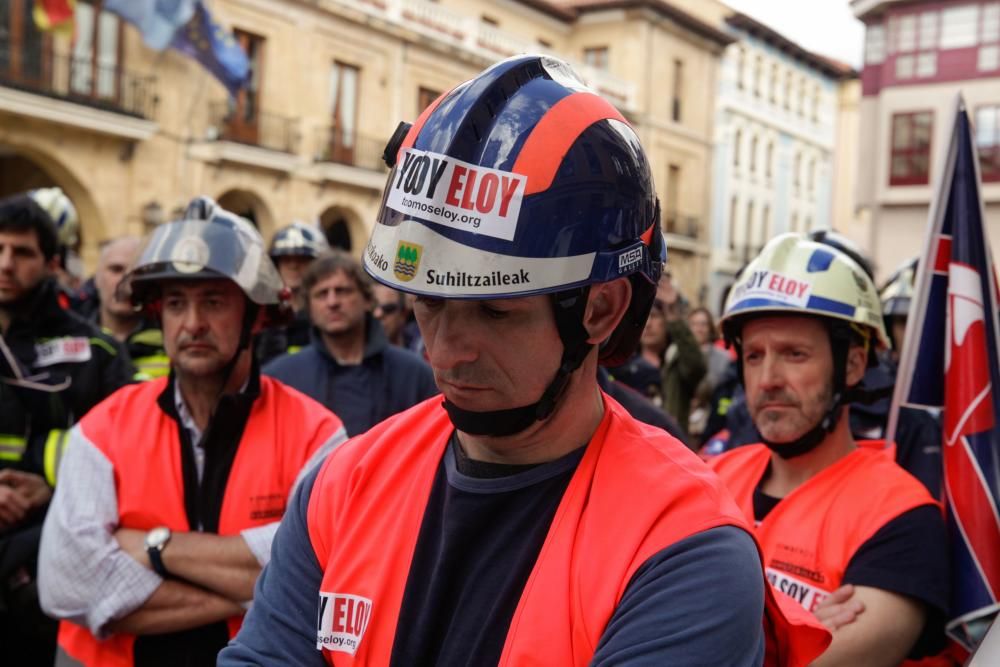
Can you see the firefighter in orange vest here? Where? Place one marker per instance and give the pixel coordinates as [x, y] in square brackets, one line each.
[850, 535]
[174, 487]
[526, 518]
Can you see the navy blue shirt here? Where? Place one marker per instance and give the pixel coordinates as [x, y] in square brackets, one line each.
[699, 601]
[388, 380]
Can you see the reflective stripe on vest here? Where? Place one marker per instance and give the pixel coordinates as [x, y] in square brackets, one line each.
[367, 506]
[152, 366]
[840, 508]
[55, 446]
[12, 447]
[142, 443]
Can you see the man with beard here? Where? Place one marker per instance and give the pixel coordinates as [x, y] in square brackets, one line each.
[845, 531]
[349, 365]
[118, 317]
[54, 367]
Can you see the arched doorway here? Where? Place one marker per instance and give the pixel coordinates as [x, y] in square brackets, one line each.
[343, 228]
[250, 206]
[24, 168]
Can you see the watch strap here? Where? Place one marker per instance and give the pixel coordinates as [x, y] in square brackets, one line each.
[156, 559]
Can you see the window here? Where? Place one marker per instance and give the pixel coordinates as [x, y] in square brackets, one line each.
[989, 38]
[794, 225]
[753, 154]
[749, 226]
[906, 37]
[733, 209]
[741, 65]
[737, 140]
[24, 52]
[802, 97]
[425, 97]
[988, 141]
[959, 26]
[874, 45]
[344, 80]
[916, 45]
[811, 182]
[765, 227]
[773, 84]
[911, 148]
[769, 160]
[673, 198]
[596, 56]
[94, 70]
[788, 89]
[807, 224]
[758, 74]
[814, 106]
[244, 110]
[675, 108]
[797, 171]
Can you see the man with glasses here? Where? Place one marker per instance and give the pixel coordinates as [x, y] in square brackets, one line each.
[349, 365]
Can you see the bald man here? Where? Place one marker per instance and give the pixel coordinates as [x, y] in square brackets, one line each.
[116, 316]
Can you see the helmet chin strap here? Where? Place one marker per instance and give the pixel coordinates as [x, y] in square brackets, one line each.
[569, 308]
[811, 439]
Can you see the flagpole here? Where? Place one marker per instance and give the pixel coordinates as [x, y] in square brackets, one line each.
[925, 271]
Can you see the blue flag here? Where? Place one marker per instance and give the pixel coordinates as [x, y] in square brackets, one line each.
[951, 361]
[157, 20]
[215, 48]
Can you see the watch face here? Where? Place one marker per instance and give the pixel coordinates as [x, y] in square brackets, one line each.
[157, 537]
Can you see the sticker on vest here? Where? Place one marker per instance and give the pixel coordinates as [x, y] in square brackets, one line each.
[61, 351]
[342, 621]
[267, 506]
[805, 594]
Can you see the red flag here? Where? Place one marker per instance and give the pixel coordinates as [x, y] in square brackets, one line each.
[54, 15]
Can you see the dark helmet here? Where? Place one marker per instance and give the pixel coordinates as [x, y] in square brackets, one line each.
[897, 292]
[522, 181]
[298, 240]
[208, 242]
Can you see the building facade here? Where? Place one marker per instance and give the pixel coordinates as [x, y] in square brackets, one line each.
[776, 133]
[918, 57]
[131, 134]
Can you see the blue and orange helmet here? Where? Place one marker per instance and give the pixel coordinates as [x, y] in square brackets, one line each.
[521, 181]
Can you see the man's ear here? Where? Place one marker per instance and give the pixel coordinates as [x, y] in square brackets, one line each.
[606, 306]
[857, 363]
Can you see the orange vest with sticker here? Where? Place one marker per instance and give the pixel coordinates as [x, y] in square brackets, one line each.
[143, 445]
[809, 537]
[635, 492]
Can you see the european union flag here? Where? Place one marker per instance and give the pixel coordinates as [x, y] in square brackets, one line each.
[215, 48]
[951, 361]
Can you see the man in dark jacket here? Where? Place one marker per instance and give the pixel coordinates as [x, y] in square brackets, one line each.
[54, 367]
[349, 366]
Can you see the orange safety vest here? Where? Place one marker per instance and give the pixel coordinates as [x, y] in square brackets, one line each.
[142, 443]
[809, 538]
[636, 491]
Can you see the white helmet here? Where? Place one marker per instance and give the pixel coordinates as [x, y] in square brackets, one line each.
[59, 207]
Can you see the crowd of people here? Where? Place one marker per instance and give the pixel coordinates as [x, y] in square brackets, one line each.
[276, 454]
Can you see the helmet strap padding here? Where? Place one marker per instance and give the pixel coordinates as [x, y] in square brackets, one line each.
[569, 308]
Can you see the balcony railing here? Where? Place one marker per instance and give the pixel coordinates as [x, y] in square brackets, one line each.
[335, 145]
[81, 80]
[254, 128]
[680, 224]
[469, 32]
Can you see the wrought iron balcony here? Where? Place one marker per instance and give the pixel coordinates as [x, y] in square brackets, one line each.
[244, 124]
[82, 80]
[340, 147]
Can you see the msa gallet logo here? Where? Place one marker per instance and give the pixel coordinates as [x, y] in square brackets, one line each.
[407, 260]
[629, 259]
[342, 621]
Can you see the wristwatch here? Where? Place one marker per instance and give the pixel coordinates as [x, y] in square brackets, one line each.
[156, 542]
